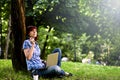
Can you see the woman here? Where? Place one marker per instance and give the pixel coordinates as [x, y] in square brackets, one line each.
[34, 63]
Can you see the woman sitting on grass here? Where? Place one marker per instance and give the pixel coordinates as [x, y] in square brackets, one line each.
[34, 63]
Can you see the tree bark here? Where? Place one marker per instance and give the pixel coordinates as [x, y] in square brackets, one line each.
[19, 32]
[7, 39]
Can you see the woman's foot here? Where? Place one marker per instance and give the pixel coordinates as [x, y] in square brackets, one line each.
[68, 74]
[65, 75]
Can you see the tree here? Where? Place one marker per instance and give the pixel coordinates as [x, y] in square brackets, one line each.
[29, 12]
[5, 30]
[0, 28]
[94, 17]
[19, 31]
[7, 39]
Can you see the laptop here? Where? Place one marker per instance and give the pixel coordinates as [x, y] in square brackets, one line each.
[52, 59]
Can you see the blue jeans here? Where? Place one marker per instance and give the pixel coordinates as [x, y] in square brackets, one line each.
[52, 71]
[59, 55]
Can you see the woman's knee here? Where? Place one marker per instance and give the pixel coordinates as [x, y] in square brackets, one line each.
[57, 50]
[56, 68]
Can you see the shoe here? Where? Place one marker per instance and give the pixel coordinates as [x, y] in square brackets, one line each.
[68, 74]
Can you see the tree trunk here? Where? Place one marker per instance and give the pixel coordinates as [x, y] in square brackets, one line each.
[7, 39]
[19, 31]
[29, 19]
[0, 30]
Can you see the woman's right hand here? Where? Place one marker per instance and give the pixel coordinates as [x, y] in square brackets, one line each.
[32, 40]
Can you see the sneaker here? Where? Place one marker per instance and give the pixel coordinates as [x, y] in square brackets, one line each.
[68, 74]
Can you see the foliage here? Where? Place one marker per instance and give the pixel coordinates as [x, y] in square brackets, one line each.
[52, 40]
[66, 43]
[113, 58]
[5, 13]
[104, 14]
[78, 26]
[4, 18]
[63, 15]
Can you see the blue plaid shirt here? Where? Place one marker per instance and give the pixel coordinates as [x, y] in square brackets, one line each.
[35, 62]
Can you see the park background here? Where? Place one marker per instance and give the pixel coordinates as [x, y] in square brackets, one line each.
[87, 31]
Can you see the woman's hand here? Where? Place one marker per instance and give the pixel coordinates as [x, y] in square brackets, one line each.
[29, 52]
[44, 62]
[32, 40]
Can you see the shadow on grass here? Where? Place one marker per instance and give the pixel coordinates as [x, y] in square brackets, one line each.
[10, 74]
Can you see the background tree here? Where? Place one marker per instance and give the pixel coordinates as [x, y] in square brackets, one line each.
[0, 28]
[4, 13]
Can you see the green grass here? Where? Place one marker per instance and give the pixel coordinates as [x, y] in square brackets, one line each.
[80, 72]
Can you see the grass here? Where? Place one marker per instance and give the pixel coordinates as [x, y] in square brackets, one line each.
[80, 72]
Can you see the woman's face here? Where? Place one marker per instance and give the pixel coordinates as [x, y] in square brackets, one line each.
[33, 33]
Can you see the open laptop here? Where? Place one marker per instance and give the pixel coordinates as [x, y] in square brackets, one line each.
[52, 59]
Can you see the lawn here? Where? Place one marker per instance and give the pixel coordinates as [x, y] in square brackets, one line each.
[80, 72]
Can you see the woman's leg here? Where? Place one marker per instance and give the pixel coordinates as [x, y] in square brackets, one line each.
[51, 71]
[59, 55]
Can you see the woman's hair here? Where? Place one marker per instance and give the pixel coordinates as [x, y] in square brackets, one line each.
[30, 28]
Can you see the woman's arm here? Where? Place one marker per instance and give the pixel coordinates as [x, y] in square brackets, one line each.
[29, 51]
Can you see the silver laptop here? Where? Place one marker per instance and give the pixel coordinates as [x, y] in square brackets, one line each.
[52, 59]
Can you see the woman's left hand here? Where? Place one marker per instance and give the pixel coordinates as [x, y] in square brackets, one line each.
[44, 62]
